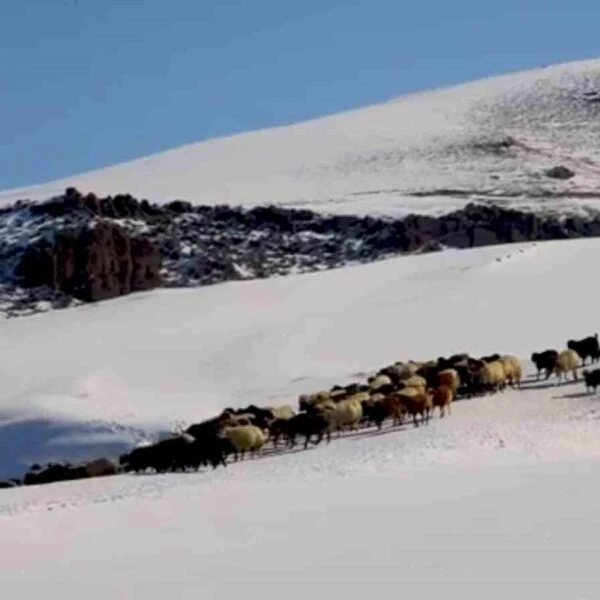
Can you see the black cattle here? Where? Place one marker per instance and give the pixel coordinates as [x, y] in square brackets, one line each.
[544, 361]
[592, 379]
[588, 347]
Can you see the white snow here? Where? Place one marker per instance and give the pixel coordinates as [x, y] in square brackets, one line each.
[372, 160]
[499, 498]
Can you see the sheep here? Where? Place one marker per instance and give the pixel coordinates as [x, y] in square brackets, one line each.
[544, 361]
[169, 454]
[338, 393]
[455, 359]
[207, 428]
[307, 424]
[375, 410]
[232, 420]
[245, 438]
[381, 407]
[492, 376]
[378, 381]
[282, 412]
[490, 358]
[346, 414]
[416, 381]
[414, 402]
[512, 369]
[567, 360]
[442, 397]
[305, 401]
[54, 473]
[261, 416]
[398, 371]
[592, 379]
[358, 397]
[468, 386]
[587, 347]
[449, 378]
[100, 467]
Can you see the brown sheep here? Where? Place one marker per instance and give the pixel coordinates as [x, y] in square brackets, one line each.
[394, 408]
[442, 397]
[449, 378]
[415, 402]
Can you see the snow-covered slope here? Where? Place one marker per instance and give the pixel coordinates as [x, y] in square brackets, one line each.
[499, 498]
[493, 138]
[491, 533]
[149, 361]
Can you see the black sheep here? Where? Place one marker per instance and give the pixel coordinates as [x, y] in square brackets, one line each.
[544, 361]
[592, 379]
[588, 347]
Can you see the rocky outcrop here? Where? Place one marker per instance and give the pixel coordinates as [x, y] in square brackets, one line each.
[85, 248]
[91, 263]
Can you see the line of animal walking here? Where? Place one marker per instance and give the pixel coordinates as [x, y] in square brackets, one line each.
[396, 393]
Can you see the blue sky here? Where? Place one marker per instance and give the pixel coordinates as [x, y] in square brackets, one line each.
[89, 83]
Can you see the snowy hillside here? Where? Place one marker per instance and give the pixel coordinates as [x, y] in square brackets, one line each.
[429, 152]
[151, 360]
[498, 498]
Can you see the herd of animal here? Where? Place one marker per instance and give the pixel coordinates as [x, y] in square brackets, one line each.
[404, 391]
[397, 392]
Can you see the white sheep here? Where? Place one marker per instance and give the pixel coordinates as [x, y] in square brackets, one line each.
[567, 360]
[245, 438]
[282, 412]
[513, 370]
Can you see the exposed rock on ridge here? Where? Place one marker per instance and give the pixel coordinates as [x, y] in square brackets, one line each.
[79, 246]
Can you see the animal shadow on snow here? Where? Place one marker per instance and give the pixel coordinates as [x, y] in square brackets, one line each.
[576, 395]
[550, 384]
[25, 441]
[373, 432]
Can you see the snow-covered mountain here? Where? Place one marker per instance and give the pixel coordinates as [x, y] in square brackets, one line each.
[428, 152]
[497, 499]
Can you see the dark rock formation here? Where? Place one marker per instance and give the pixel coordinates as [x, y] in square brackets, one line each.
[86, 248]
[91, 263]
